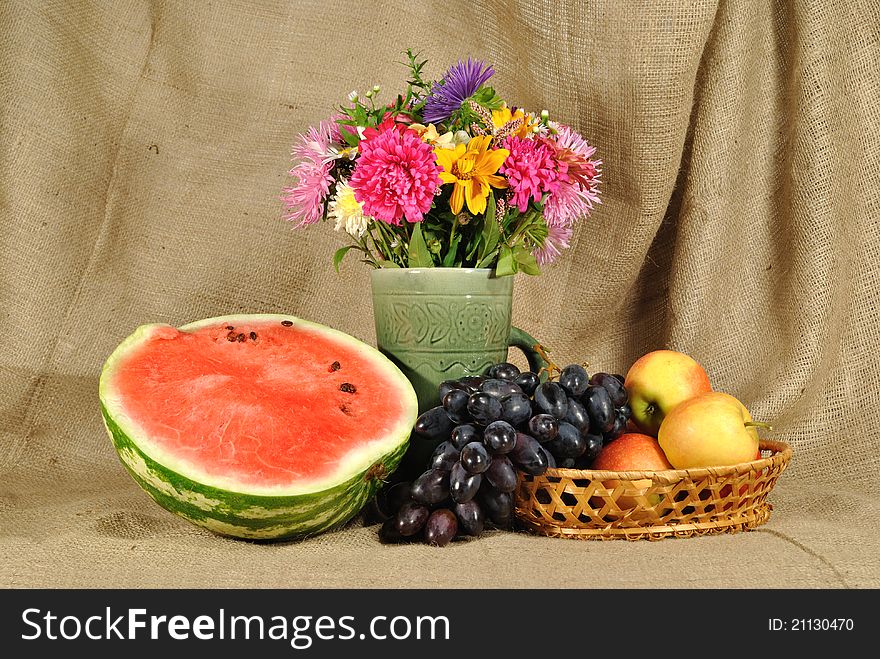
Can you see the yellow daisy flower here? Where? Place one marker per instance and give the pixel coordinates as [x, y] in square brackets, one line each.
[472, 170]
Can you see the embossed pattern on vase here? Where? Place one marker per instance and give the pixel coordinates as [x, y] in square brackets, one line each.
[444, 333]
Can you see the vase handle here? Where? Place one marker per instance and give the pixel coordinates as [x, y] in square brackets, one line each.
[531, 348]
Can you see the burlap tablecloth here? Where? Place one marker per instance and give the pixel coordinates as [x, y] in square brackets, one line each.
[144, 146]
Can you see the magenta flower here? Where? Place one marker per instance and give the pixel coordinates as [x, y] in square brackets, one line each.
[304, 200]
[531, 170]
[396, 176]
[557, 239]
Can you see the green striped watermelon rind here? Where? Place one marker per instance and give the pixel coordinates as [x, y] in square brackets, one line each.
[246, 515]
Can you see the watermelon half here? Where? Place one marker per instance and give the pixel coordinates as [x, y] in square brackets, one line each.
[256, 426]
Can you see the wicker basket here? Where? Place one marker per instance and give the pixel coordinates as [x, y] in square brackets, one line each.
[635, 505]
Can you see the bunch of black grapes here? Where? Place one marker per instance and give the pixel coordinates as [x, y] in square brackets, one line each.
[490, 426]
[577, 415]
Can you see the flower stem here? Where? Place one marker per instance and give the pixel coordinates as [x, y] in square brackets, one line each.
[381, 252]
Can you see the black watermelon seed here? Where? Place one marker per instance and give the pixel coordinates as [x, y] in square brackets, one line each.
[347, 387]
[335, 366]
[230, 327]
[253, 336]
[241, 338]
[287, 323]
[231, 336]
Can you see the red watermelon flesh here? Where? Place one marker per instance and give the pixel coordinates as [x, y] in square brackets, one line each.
[261, 403]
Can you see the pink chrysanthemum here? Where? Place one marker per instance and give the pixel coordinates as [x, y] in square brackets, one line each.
[336, 128]
[557, 239]
[396, 176]
[569, 203]
[531, 170]
[578, 188]
[304, 200]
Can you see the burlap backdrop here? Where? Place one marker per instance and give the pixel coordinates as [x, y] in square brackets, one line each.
[143, 149]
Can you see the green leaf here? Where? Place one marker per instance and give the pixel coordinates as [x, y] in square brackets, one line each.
[490, 233]
[488, 260]
[507, 265]
[350, 138]
[339, 255]
[449, 259]
[486, 97]
[419, 254]
[360, 114]
[475, 245]
[526, 260]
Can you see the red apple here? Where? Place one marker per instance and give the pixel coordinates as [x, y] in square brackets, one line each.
[657, 382]
[630, 452]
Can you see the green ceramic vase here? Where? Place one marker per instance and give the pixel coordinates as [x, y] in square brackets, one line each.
[441, 324]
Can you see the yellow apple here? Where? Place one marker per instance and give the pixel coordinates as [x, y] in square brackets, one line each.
[657, 382]
[712, 429]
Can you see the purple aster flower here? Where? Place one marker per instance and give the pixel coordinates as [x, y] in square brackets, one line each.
[461, 81]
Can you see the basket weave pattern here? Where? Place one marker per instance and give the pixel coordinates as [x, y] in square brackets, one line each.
[634, 505]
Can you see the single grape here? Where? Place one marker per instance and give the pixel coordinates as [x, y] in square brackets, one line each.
[544, 427]
[528, 455]
[613, 386]
[594, 446]
[471, 383]
[475, 458]
[397, 495]
[516, 408]
[599, 407]
[551, 459]
[470, 517]
[441, 527]
[617, 429]
[625, 410]
[618, 377]
[504, 371]
[448, 385]
[500, 437]
[431, 487]
[501, 474]
[574, 379]
[483, 408]
[528, 382]
[388, 501]
[434, 424]
[569, 443]
[498, 506]
[552, 399]
[462, 485]
[499, 388]
[577, 415]
[411, 518]
[455, 404]
[444, 456]
[463, 435]
[389, 534]
[567, 463]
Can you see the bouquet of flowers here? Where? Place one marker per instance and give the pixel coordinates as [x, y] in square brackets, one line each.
[446, 175]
